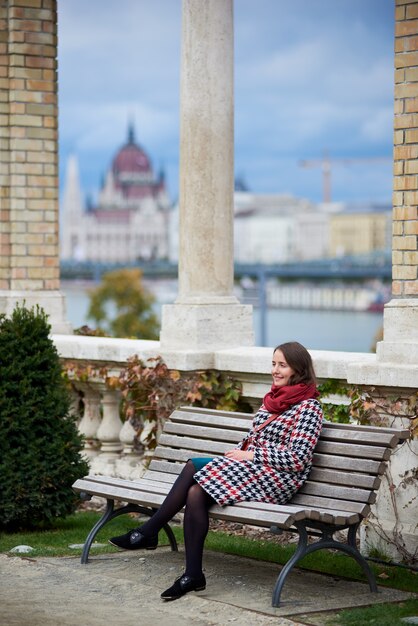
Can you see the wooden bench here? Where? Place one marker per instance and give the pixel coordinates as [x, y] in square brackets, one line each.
[348, 463]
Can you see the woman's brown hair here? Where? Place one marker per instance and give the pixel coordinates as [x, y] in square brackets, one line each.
[300, 361]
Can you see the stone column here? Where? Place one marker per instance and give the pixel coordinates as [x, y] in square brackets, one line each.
[206, 316]
[29, 259]
[400, 341]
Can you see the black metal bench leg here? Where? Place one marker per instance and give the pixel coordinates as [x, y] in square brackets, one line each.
[326, 541]
[110, 513]
[351, 540]
[351, 550]
[107, 515]
[298, 555]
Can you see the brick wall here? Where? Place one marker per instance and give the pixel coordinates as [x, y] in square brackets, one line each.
[405, 181]
[29, 257]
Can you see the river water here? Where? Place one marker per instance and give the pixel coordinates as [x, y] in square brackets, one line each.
[318, 330]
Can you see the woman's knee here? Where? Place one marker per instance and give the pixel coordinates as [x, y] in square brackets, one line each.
[197, 497]
[195, 494]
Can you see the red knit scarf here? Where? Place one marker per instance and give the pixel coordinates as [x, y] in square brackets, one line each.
[279, 399]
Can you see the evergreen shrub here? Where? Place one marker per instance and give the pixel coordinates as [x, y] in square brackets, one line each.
[39, 442]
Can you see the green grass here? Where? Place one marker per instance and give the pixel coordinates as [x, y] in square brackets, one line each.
[378, 615]
[71, 530]
[75, 528]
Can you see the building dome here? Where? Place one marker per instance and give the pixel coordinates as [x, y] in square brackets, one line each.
[131, 175]
[131, 161]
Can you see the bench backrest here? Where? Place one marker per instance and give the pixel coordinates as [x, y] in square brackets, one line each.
[347, 465]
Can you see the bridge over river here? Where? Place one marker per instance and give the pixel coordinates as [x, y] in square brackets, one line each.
[352, 268]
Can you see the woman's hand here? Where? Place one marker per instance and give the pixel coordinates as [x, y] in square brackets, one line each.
[240, 455]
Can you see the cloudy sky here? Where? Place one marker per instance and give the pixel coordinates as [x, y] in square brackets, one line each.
[311, 76]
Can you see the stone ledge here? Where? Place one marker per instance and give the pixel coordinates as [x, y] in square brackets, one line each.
[383, 374]
[257, 361]
[250, 362]
[105, 349]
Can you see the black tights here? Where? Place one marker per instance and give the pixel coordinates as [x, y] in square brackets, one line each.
[185, 492]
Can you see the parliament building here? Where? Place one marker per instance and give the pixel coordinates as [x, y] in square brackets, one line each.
[130, 220]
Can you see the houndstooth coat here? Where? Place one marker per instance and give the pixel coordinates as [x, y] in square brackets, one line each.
[282, 458]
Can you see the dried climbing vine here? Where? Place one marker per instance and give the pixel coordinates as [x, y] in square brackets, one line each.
[363, 406]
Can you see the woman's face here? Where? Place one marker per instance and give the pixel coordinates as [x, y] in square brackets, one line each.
[280, 370]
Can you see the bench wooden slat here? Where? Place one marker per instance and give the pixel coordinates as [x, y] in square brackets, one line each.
[211, 447]
[318, 502]
[164, 476]
[356, 451]
[336, 492]
[175, 454]
[359, 437]
[214, 412]
[192, 415]
[120, 487]
[253, 510]
[129, 495]
[400, 433]
[160, 465]
[244, 516]
[209, 422]
[340, 518]
[345, 463]
[344, 478]
[201, 432]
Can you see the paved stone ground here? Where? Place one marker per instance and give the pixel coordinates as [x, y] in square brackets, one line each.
[124, 590]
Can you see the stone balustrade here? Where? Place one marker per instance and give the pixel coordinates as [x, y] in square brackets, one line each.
[109, 442]
[109, 445]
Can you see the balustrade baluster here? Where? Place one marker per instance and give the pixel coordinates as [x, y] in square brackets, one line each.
[90, 421]
[108, 433]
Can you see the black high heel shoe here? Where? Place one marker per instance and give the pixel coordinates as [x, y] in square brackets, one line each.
[183, 585]
[135, 540]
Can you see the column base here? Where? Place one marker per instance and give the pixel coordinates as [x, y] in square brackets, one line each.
[104, 464]
[396, 363]
[206, 327]
[52, 302]
[400, 332]
[130, 467]
[381, 540]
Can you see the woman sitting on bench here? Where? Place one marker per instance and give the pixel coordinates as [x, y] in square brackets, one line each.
[269, 465]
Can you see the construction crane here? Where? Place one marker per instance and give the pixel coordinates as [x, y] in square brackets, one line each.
[326, 163]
